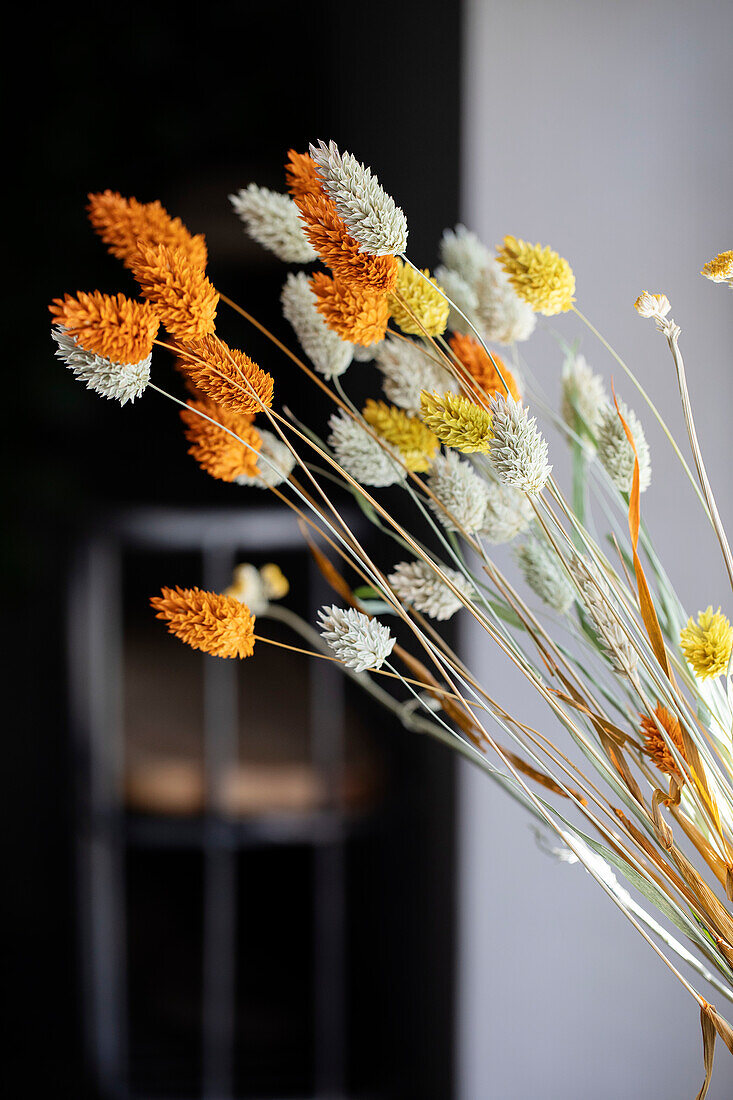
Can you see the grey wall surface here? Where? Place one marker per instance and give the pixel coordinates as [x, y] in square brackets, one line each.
[605, 130]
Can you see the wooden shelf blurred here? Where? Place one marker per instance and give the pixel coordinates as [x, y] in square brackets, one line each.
[176, 786]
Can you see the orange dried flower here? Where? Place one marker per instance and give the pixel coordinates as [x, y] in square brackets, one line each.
[182, 296]
[220, 625]
[475, 360]
[215, 447]
[356, 314]
[655, 745]
[182, 364]
[328, 234]
[301, 174]
[126, 224]
[227, 376]
[112, 326]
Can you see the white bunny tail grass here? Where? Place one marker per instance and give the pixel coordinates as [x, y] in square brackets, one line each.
[358, 642]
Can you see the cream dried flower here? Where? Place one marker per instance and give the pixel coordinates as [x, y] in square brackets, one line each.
[460, 490]
[358, 642]
[463, 300]
[329, 354]
[476, 282]
[121, 382]
[407, 370]
[503, 317]
[584, 399]
[258, 587]
[463, 252]
[598, 599]
[508, 512]
[273, 220]
[616, 453]
[275, 463]
[365, 458]
[652, 305]
[657, 306]
[371, 215]
[247, 587]
[545, 575]
[366, 353]
[518, 451]
[417, 583]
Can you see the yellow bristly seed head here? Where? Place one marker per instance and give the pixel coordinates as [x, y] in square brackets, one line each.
[457, 422]
[417, 304]
[415, 442]
[720, 268]
[539, 275]
[275, 582]
[707, 643]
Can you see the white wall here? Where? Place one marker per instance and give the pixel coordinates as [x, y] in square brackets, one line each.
[605, 130]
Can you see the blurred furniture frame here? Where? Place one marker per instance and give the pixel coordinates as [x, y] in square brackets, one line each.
[105, 829]
[377, 888]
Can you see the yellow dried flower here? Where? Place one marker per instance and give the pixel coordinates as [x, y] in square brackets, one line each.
[707, 644]
[219, 625]
[257, 587]
[415, 442]
[276, 583]
[418, 305]
[720, 268]
[539, 275]
[457, 422]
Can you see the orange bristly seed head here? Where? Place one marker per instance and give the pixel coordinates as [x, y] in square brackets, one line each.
[125, 224]
[328, 234]
[219, 625]
[475, 360]
[215, 449]
[301, 175]
[655, 746]
[181, 364]
[226, 375]
[112, 326]
[182, 296]
[357, 315]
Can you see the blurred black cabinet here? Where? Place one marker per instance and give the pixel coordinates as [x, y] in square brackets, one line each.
[250, 81]
[264, 855]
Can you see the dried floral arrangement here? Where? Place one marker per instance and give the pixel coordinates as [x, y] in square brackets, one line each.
[637, 691]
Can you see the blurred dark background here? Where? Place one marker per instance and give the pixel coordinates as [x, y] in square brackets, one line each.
[160, 101]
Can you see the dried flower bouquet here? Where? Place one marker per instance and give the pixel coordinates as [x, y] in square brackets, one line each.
[636, 691]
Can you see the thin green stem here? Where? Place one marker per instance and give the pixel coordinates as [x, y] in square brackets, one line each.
[651, 405]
